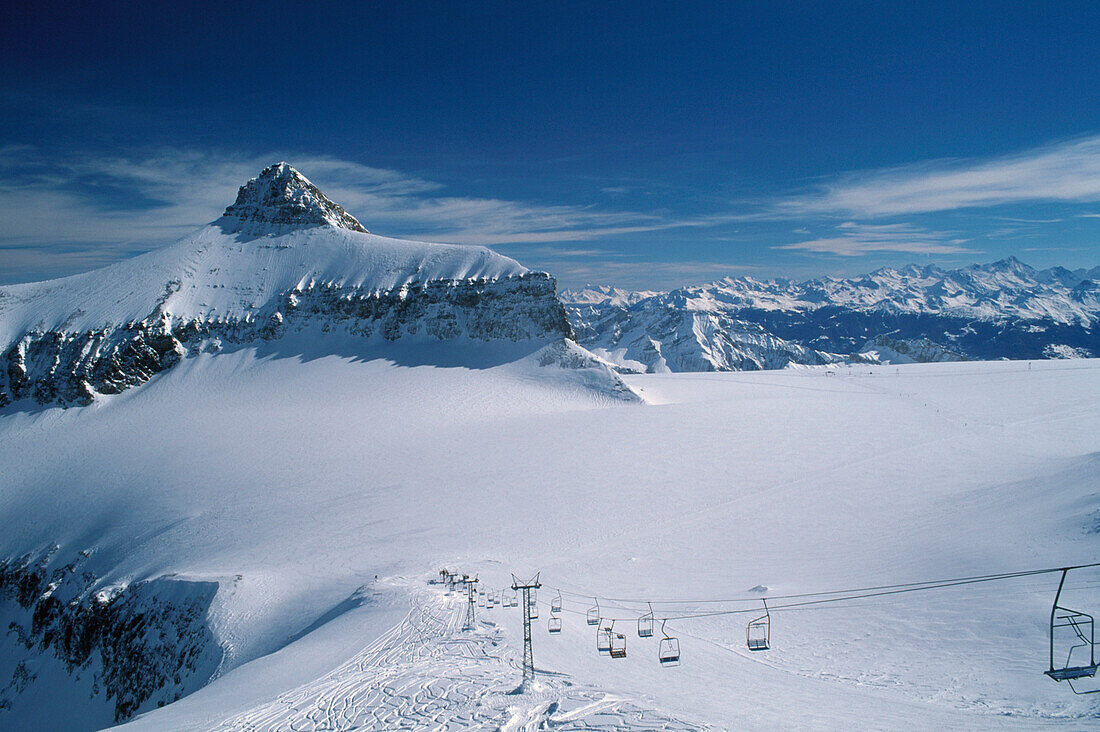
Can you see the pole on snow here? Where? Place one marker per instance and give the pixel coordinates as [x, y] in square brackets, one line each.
[528, 654]
[471, 597]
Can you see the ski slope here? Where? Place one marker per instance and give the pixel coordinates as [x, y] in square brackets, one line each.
[324, 491]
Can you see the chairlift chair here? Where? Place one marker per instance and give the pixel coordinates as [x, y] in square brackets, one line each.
[594, 613]
[618, 646]
[669, 651]
[511, 599]
[555, 604]
[758, 634]
[554, 624]
[533, 610]
[1084, 640]
[603, 640]
[645, 624]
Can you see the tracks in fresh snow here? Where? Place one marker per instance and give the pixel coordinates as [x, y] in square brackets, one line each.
[428, 673]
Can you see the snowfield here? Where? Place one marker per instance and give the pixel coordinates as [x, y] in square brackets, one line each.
[231, 471]
[323, 489]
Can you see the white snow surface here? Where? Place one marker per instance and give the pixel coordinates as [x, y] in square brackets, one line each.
[338, 486]
[214, 275]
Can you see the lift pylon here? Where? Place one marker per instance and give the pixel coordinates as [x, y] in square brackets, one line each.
[528, 654]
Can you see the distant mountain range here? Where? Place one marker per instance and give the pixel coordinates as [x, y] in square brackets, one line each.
[917, 313]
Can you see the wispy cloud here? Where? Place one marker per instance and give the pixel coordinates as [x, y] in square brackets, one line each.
[1064, 172]
[852, 239]
[83, 211]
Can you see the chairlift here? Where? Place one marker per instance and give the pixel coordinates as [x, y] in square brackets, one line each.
[645, 624]
[1084, 642]
[603, 640]
[554, 624]
[533, 610]
[669, 651]
[511, 599]
[555, 604]
[618, 646]
[594, 613]
[758, 633]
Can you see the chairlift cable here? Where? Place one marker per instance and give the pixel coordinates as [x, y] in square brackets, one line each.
[908, 586]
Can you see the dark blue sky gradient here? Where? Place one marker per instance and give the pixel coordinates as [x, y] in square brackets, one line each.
[678, 111]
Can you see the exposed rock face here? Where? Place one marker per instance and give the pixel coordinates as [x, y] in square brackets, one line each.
[142, 646]
[71, 368]
[883, 349]
[1000, 310]
[281, 196]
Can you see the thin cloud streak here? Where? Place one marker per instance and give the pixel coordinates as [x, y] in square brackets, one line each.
[1064, 172]
[854, 239]
[97, 209]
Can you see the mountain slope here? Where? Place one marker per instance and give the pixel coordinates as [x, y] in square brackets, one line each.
[283, 258]
[1001, 310]
[321, 493]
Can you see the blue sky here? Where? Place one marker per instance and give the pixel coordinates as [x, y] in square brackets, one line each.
[637, 144]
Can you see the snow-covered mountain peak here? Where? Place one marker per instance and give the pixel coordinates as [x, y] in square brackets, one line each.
[280, 198]
[284, 260]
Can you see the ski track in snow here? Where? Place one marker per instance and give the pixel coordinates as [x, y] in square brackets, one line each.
[427, 672]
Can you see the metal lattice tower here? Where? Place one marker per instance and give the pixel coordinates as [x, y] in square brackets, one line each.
[471, 598]
[528, 655]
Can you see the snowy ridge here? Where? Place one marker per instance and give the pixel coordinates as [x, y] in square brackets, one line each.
[214, 276]
[997, 291]
[1001, 310]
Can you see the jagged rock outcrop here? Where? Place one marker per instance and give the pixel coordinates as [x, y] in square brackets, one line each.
[143, 645]
[72, 368]
[884, 349]
[281, 196]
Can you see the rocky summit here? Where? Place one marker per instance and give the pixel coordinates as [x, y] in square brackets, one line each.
[281, 196]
